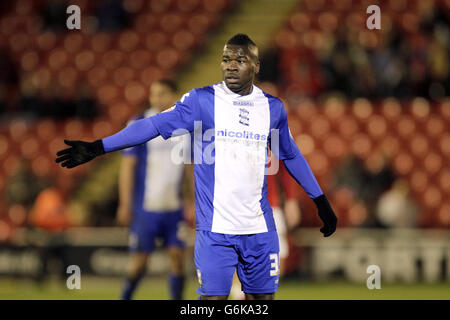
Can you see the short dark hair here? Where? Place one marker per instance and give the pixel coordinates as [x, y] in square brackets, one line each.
[241, 39]
[169, 83]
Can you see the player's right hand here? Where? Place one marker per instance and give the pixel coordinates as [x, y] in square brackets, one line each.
[79, 152]
[123, 216]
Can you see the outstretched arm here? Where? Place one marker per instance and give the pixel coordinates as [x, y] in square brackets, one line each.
[177, 121]
[81, 152]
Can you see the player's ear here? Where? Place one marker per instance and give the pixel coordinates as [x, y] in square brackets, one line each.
[257, 65]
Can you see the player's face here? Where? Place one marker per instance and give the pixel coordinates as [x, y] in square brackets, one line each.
[161, 97]
[239, 66]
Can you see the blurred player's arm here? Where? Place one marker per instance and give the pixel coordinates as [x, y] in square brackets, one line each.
[166, 124]
[126, 186]
[188, 194]
[290, 188]
[286, 150]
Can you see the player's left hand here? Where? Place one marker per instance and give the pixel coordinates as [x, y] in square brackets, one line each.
[327, 215]
[79, 152]
[292, 213]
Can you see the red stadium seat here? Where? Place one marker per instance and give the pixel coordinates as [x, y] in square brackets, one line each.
[100, 42]
[328, 21]
[434, 126]
[419, 145]
[135, 92]
[444, 215]
[106, 93]
[444, 145]
[74, 42]
[444, 181]
[444, 109]
[18, 129]
[348, 127]
[410, 22]
[159, 6]
[199, 24]
[362, 108]
[170, 22]
[361, 145]
[4, 146]
[432, 197]
[419, 181]
[73, 129]
[357, 214]
[46, 41]
[68, 77]
[139, 59]
[377, 127]
[156, 40]
[406, 126]
[306, 143]
[41, 166]
[433, 163]
[214, 6]
[102, 128]
[97, 76]
[320, 127]
[150, 74]
[128, 41]
[20, 42]
[300, 22]
[29, 147]
[390, 144]
[391, 109]
[29, 61]
[334, 147]
[420, 109]
[112, 59]
[187, 5]
[403, 163]
[119, 113]
[319, 162]
[85, 60]
[123, 75]
[57, 59]
[167, 58]
[10, 164]
[146, 22]
[183, 40]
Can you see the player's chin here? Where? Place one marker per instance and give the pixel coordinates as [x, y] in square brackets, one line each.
[233, 85]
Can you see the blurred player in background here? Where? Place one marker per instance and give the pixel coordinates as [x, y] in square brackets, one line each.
[150, 198]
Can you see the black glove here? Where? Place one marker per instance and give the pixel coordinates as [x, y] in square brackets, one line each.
[79, 152]
[327, 215]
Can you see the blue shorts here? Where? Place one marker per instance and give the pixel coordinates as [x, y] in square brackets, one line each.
[147, 227]
[254, 256]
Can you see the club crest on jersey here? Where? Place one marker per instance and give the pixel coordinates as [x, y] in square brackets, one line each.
[243, 116]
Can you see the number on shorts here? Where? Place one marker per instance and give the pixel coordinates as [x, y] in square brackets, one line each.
[275, 269]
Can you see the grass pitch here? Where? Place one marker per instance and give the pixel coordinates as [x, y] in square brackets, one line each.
[152, 288]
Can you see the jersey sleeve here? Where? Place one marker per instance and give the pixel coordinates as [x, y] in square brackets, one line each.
[131, 151]
[179, 119]
[281, 141]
